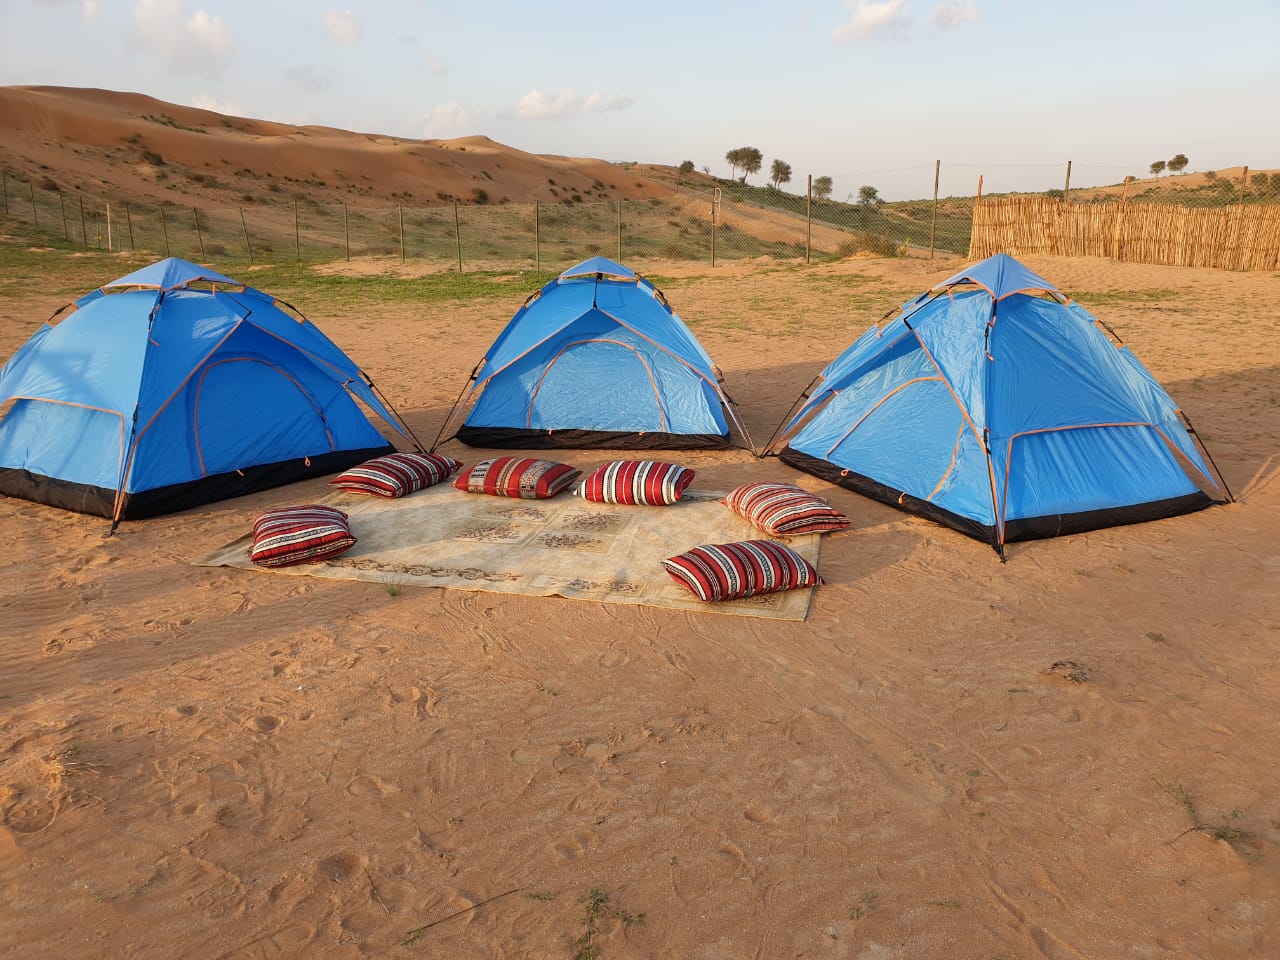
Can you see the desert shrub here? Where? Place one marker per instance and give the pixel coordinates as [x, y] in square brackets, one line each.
[153, 158]
[479, 195]
[47, 183]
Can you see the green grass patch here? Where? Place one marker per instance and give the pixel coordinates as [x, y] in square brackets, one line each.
[1110, 297]
[303, 283]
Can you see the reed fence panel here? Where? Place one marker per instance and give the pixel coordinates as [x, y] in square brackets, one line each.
[1237, 237]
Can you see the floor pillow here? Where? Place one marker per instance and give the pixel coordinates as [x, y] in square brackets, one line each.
[633, 482]
[731, 571]
[396, 474]
[306, 533]
[521, 477]
[780, 509]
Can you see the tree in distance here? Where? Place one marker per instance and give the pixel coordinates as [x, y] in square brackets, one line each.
[1157, 168]
[686, 166]
[779, 173]
[746, 159]
[1178, 163]
[822, 187]
[869, 196]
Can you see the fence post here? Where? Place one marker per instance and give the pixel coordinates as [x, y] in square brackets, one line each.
[808, 219]
[715, 206]
[4, 185]
[35, 216]
[110, 247]
[62, 202]
[619, 231]
[400, 214]
[457, 233]
[84, 231]
[164, 226]
[199, 232]
[128, 218]
[1244, 184]
[537, 237]
[247, 245]
[346, 232]
[1066, 187]
[297, 239]
[1118, 245]
[933, 222]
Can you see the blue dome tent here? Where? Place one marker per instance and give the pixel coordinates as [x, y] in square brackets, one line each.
[996, 405]
[596, 359]
[175, 386]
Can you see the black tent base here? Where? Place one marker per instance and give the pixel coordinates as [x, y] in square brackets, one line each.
[1027, 528]
[519, 439]
[100, 501]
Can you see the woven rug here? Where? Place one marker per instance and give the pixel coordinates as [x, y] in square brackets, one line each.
[567, 547]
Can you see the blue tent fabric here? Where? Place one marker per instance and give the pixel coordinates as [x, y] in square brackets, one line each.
[596, 358]
[165, 395]
[996, 405]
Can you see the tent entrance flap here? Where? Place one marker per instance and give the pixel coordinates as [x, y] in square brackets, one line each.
[623, 381]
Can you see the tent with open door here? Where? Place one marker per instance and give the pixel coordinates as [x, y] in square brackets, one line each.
[996, 405]
[596, 358]
[175, 386]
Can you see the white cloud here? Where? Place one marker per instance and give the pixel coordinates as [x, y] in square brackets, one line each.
[599, 101]
[196, 44]
[206, 102]
[343, 26]
[536, 105]
[952, 13]
[309, 78]
[870, 18]
[435, 67]
[445, 120]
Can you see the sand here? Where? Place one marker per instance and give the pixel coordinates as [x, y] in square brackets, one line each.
[1071, 755]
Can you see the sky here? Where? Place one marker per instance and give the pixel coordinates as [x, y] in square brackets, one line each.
[867, 92]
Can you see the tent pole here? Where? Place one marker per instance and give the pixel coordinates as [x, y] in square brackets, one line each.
[387, 403]
[786, 417]
[440, 437]
[1200, 443]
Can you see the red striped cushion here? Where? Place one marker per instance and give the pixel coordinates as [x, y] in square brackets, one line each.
[307, 533]
[730, 571]
[396, 474]
[780, 509]
[648, 482]
[521, 477]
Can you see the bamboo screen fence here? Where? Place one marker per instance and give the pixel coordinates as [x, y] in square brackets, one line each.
[1237, 237]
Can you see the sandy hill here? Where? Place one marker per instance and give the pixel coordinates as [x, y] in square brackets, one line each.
[134, 145]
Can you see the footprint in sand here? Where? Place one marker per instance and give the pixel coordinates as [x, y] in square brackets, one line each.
[30, 816]
[370, 788]
[731, 854]
[338, 867]
[287, 942]
[760, 812]
[264, 723]
[613, 658]
[572, 848]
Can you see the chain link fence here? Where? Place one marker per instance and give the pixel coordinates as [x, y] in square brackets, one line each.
[734, 221]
